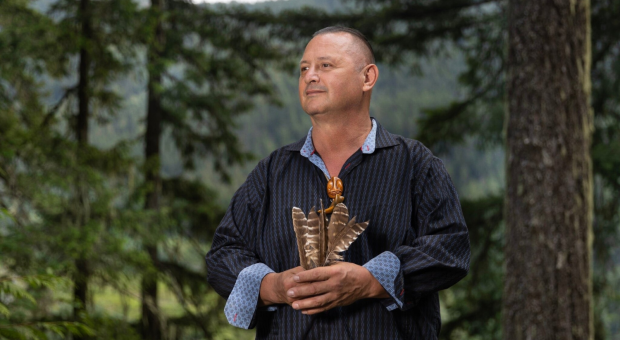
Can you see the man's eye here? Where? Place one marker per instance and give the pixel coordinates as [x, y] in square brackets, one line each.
[325, 65]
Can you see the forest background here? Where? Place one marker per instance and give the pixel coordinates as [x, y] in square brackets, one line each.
[126, 126]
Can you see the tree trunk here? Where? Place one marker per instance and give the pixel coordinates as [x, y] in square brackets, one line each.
[547, 288]
[82, 272]
[81, 127]
[151, 323]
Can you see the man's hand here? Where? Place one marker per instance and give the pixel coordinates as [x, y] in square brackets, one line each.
[341, 284]
[274, 286]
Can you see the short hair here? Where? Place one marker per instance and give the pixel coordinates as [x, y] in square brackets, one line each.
[352, 31]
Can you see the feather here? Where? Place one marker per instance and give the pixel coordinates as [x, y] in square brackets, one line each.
[322, 237]
[343, 240]
[337, 222]
[312, 246]
[300, 223]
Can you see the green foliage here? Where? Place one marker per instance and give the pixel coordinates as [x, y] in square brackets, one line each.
[14, 325]
[109, 46]
[212, 65]
[473, 305]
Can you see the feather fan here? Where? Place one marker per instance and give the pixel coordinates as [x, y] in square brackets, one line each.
[320, 243]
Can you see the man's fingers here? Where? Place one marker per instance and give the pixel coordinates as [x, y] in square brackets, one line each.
[316, 274]
[290, 275]
[320, 302]
[309, 289]
[296, 270]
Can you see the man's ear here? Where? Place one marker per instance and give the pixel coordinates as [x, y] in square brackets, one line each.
[371, 74]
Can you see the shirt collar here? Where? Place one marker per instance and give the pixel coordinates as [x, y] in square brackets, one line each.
[383, 139]
[368, 147]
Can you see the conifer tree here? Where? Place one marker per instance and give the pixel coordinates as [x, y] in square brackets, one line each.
[204, 68]
[151, 327]
[91, 37]
[60, 185]
[548, 288]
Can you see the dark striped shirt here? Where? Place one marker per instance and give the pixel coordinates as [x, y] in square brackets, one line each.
[414, 213]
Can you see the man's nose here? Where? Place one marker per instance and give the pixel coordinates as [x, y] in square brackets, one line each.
[311, 76]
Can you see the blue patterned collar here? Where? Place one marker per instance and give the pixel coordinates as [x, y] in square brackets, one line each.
[308, 150]
[369, 144]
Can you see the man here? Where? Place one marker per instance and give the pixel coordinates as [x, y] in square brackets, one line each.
[416, 242]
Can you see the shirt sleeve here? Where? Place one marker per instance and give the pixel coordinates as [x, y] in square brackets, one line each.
[242, 301]
[438, 254]
[233, 265]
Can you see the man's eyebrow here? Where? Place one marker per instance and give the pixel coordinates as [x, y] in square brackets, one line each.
[319, 58]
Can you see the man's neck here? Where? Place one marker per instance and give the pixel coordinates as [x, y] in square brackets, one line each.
[337, 137]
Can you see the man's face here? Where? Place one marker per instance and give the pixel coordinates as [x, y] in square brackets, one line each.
[329, 80]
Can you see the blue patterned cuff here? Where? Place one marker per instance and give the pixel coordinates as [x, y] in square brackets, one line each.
[386, 269]
[241, 304]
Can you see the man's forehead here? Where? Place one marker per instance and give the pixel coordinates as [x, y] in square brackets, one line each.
[328, 46]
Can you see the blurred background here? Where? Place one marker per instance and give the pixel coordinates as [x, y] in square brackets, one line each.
[127, 125]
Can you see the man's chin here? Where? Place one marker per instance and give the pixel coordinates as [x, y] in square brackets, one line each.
[314, 112]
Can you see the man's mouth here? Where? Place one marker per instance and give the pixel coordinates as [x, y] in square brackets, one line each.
[314, 90]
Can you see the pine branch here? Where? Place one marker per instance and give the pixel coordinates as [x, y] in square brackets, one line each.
[52, 112]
